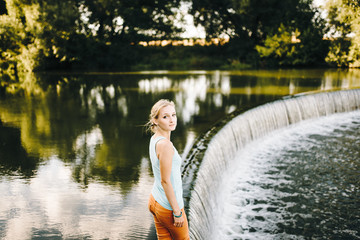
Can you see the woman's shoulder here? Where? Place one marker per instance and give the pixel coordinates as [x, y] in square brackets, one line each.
[164, 145]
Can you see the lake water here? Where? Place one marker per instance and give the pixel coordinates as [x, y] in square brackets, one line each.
[74, 155]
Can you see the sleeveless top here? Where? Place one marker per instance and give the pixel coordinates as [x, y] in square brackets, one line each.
[157, 190]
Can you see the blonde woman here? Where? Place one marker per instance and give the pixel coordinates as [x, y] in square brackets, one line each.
[166, 199]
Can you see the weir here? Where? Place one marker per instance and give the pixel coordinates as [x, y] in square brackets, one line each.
[215, 152]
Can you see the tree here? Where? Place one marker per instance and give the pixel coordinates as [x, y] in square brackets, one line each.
[344, 20]
[250, 22]
[19, 29]
[253, 19]
[86, 33]
[279, 49]
[132, 20]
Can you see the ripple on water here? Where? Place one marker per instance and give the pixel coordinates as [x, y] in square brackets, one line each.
[298, 183]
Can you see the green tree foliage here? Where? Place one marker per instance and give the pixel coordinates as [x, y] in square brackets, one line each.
[104, 34]
[252, 19]
[292, 48]
[344, 19]
[251, 23]
[131, 20]
[19, 42]
[82, 33]
[279, 48]
[115, 27]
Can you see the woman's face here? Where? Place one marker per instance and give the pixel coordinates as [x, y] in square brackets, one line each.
[167, 118]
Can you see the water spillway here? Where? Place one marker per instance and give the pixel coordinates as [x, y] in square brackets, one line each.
[218, 152]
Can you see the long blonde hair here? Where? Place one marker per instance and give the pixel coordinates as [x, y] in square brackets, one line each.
[154, 114]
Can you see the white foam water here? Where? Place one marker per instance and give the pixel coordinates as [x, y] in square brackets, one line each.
[265, 196]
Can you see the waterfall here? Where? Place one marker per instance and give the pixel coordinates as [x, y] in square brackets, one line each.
[214, 152]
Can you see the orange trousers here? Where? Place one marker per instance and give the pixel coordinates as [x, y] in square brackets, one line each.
[164, 222]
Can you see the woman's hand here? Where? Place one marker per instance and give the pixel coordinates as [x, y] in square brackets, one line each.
[179, 221]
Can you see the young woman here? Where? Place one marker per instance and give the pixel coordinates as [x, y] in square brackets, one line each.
[166, 199]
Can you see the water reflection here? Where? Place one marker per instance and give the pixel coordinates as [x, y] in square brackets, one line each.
[66, 211]
[73, 153]
[155, 85]
[13, 157]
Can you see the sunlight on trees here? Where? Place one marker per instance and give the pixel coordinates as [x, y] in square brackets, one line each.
[105, 34]
[20, 44]
[344, 19]
[279, 46]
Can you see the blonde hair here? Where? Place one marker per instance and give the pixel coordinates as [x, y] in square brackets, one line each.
[154, 114]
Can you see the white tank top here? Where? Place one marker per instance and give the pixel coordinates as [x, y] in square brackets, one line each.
[157, 190]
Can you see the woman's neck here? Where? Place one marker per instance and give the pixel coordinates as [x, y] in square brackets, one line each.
[165, 134]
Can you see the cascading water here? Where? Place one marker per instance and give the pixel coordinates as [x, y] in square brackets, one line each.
[219, 153]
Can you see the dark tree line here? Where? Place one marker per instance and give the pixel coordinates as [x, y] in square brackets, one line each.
[104, 34]
[263, 30]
